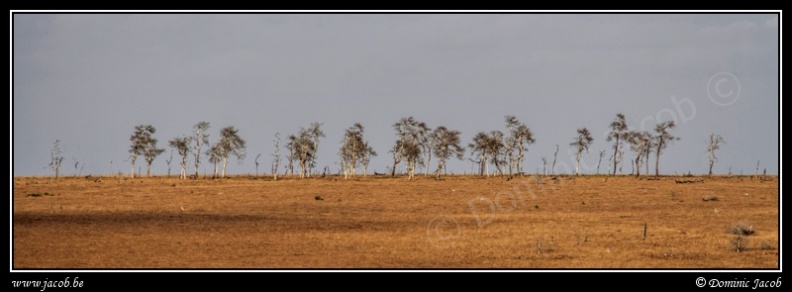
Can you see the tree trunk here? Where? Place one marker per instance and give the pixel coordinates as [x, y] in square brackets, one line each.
[657, 159]
[439, 167]
[637, 165]
[133, 168]
[520, 158]
[615, 152]
[184, 166]
[577, 166]
[395, 162]
[344, 169]
[482, 164]
[148, 169]
[428, 162]
[225, 164]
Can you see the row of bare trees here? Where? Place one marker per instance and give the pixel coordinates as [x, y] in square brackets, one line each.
[499, 150]
[417, 142]
[230, 143]
[415, 146]
[642, 143]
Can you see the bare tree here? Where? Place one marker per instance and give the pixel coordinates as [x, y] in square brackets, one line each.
[315, 132]
[368, 152]
[351, 149]
[496, 148]
[201, 138]
[396, 153]
[355, 149]
[257, 163]
[143, 143]
[490, 149]
[302, 149]
[182, 146]
[601, 154]
[662, 139]
[555, 156]
[231, 143]
[544, 166]
[715, 141]
[276, 155]
[76, 166]
[412, 139]
[446, 145]
[582, 142]
[431, 140]
[55, 159]
[291, 146]
[150, 152]
[215, 154]
[479, 145]
[618, 132]
[640, 143]
[168, 161]
[519, 136]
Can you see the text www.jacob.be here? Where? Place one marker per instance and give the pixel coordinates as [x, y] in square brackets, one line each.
[47, 283]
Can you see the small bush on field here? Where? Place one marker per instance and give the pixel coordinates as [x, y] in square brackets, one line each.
[743, 229]
[741, 232]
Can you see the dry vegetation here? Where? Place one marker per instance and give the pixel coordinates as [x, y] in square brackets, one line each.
[378, 222]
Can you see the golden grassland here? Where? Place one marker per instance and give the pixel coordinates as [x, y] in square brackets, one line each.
[382, 222]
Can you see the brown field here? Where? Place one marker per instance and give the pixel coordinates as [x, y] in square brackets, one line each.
[378, 222]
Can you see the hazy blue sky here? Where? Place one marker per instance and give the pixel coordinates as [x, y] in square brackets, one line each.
[88, 79]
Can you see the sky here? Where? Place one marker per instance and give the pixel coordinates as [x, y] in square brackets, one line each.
[89, 79]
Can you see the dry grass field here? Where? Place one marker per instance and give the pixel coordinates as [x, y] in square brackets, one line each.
[382, 222]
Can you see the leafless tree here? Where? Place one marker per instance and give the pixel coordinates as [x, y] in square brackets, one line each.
[412, 139]
[354, 149]
[601, 154]
[182, 146]
[315, 132]
[276, 155]
[396, 153]
[55, 159]
[201, 138]
[555, 156]
[519, 136]
[143, 143]
[302, 149]
[291, 146]
[490, 149]
[351, 149]
[582, 142]
[544, 166]
[257, 163]
[715, 141]
[168, 161]
[618, 132]
[215, 154]
[368, 152]
[496, 150]
[640, 143]
[662, 139]
[479, 145]
[230, 143]
[446, 145]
